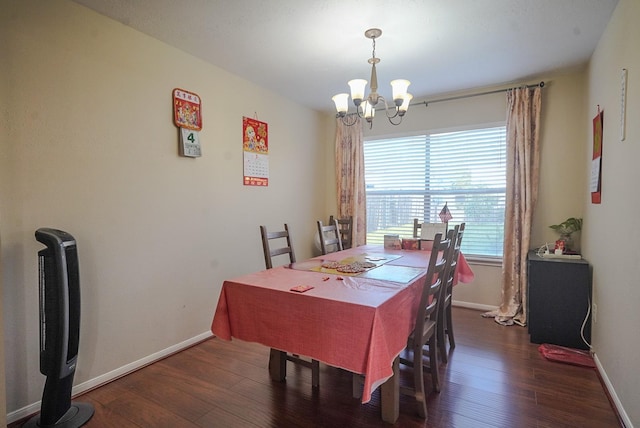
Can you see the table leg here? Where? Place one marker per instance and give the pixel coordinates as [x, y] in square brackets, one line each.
[277, 365]
[356, 385]
[390, 395]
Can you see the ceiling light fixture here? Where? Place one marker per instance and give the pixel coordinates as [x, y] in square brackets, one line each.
[366, 109]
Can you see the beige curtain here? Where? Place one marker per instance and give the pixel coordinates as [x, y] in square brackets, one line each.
[350, 177]
[523, 129]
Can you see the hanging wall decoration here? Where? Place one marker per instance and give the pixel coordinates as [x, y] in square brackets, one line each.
[596, 163]
[187, 115]
[623, 104]
[255, 148]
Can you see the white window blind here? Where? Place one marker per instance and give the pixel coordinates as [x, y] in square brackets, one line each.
[413, 177]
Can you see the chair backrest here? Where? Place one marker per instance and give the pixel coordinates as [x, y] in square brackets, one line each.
[268, 237]
[437, 271]
[345, 226]
[447, 287]
[330, 240]
[460, 235]
[455, 235]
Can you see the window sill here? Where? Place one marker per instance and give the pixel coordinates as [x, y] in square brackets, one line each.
[484, 261]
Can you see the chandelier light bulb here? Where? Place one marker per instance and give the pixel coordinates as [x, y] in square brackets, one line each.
[369, 111]
[342, 103]
[357, 90]
[405, 104]
[399, 88]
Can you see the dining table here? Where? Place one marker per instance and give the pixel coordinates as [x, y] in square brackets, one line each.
[357, 319]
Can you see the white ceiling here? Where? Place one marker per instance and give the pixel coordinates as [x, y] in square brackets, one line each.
[307, 50]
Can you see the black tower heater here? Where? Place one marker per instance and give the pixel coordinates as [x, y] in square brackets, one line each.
[59, 282]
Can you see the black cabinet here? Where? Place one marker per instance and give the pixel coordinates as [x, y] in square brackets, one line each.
[559, 298]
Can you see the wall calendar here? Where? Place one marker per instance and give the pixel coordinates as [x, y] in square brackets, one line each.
[596, 163]
[255, 149]
[187, 116]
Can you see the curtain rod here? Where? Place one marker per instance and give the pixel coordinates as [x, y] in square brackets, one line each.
[426, 103]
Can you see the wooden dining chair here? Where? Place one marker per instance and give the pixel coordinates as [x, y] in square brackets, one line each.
[445, 318]
[345, 225]
[269, 252]
[282, 247]
[425, 331]
[330, 239]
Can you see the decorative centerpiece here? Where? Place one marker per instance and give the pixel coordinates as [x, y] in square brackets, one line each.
[566, 229]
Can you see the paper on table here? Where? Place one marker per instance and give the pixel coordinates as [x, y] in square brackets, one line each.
[401, 274]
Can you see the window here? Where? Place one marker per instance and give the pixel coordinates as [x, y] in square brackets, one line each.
[414, 176]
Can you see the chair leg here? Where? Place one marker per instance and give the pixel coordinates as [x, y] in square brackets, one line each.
[441, 333]
[314, 365]
[315, 373]
[277, 365]
[433, 363]
[452, 341]
[418, 382]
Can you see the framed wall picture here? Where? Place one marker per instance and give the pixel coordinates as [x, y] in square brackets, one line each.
[623, 104]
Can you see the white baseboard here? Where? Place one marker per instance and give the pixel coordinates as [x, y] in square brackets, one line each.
[470, 305]
[612, 393]
[34, 408]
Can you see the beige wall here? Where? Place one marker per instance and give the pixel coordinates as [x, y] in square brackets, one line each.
[563, 174]
[91, 149]
[611, 234]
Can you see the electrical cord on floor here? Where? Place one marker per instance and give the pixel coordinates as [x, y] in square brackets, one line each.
[584, 323]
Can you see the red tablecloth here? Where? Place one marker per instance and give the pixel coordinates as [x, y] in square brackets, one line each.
[358, 323]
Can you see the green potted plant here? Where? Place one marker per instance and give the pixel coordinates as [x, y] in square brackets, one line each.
[566, 229]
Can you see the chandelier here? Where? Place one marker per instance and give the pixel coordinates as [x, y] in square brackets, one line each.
[366, 107]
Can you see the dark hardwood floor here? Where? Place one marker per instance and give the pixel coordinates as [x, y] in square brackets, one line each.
[494, 378]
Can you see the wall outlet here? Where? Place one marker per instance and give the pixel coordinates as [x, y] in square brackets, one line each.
[594, 312]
